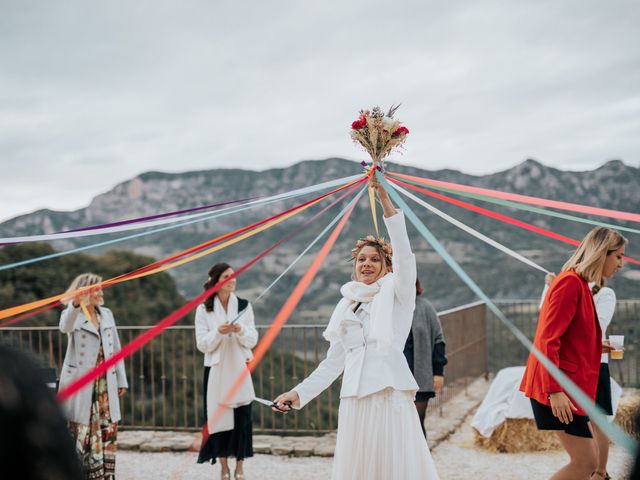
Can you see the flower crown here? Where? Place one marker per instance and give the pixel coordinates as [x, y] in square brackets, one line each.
[381, 242]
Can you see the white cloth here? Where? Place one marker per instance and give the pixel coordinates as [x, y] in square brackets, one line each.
[353, 341]
[605, 301]
[379, 438]
[227, 356]
[505, 400]
[380, 294]
[208, 338]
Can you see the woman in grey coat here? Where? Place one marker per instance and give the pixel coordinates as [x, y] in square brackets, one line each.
[425, 353]
[93, 412]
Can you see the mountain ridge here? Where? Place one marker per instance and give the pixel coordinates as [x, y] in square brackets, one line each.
[612, 185]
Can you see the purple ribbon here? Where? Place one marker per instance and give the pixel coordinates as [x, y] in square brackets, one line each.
[153, 217]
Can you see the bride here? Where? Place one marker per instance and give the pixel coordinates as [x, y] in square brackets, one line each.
[379, 433]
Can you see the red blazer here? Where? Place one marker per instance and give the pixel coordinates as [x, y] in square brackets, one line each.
[569, 335]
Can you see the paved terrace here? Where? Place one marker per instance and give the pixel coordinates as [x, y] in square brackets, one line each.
[147, 455]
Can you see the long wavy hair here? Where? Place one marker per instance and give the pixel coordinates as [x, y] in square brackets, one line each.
[82, 281]
[589, 258]
[214, 277]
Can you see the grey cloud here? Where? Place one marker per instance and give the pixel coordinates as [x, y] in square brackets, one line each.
[94, 94]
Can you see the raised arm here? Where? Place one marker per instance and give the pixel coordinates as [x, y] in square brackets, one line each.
[68, 318]
[404, 261]
[388, 210]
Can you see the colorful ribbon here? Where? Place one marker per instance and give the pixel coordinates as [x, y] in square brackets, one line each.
[121, 228]
[529, 208]
[218, 214]
[282, 316]
[595, 413]
[162, 265]
[372, 203]
[166, 322]
[19, 318]
[573, 207]
[320, 235]
[471, 231]
[158, 215]
[501, 217]
[308, 247]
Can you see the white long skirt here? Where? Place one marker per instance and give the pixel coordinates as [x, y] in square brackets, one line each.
[379, 438]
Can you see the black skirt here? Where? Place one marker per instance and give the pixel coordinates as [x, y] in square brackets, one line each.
[236, 443]
[545, 420]
[603, 394]
[424, 396]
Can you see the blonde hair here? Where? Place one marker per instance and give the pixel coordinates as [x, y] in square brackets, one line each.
[589, 258]
[81, 281]
[380, 244]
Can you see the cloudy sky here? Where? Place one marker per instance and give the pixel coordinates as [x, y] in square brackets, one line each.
[94, 93]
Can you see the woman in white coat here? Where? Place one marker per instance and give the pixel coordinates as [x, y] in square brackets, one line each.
[226, 333]
[379, 434]
[93, 412]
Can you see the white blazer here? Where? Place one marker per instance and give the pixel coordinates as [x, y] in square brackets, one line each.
[366, 369]
[208, 339]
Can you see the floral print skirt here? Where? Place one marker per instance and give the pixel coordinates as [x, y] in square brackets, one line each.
[96, 443]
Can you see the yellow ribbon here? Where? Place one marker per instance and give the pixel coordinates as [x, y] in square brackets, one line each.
[10, 312]
[372, 202]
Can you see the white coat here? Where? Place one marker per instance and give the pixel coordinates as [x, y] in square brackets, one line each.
[81, 356]
[227, 356]
[368, 369]
[209, 339]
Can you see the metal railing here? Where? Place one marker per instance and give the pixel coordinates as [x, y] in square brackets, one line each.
[464, 331]
[165, 377]
[506, 351]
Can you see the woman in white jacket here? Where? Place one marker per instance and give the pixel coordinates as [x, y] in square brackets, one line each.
[379, 434]
[226, 333]
[93, 412]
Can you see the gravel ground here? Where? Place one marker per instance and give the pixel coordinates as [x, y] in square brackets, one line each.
[456, 459]
[132, 465]
[459, 459]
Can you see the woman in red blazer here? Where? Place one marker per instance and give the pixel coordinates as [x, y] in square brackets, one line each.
[569, 335]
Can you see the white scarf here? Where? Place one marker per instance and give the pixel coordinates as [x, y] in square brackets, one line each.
[381, 295]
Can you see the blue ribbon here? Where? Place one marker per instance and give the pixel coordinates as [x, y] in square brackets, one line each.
[595, 413]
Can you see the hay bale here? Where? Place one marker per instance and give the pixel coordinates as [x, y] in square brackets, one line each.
[518, 435]
[628, 411]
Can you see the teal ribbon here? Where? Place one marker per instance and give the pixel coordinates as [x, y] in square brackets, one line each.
[224, 212]
[520, 206]
[302, 254]
[595, 413]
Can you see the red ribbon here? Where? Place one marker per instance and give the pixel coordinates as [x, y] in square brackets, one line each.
[280, 319]
[543, 202]
[499, 216]
[158, 328]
